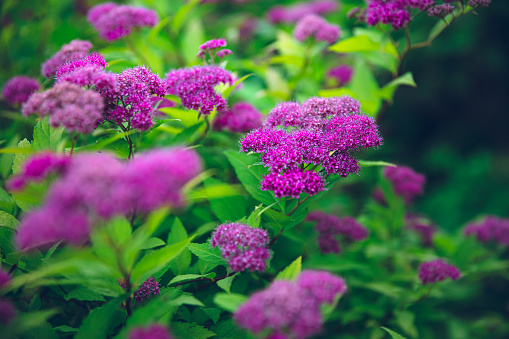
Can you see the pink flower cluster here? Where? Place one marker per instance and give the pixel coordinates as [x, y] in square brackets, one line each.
[87, 71]
[490, 229]
[68, 105]
[289, 309]
[209, 48]
[76, 49]
[154, 331]
[437, 270]
[343, 74]
[114, 21]
[329, 226]
[243, 246]
[241, 118]
[195, 87]
[296, 12]
[5, 278]
[39, 167]
[98, 186]
[322, 132]
[317, 27]
[131, 100]
[406, 182]
[18, 89]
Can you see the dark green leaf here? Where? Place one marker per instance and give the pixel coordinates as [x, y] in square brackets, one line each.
[229, 301]
[226, 208]
[213, 313]
[206, 253]
[182, 330]
[187, 277]
[83, 294]
[98, 322]
[393, 334]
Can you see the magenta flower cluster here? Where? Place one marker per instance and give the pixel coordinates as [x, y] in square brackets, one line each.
[437, 270]
[490, 229]
[210, 49]
[154, 331]
[243, 246]
[130, 101]
[195, 87]
[98, 186]
[296, 12]
[343, 74]
[148, 289]
[405, 181]
[5, 278]
[68, 105]
[422, 226]
[18, 89]
[114, 21]
[322, 133]
[289, 309]
[87, 71]
[241, 118]
[329, 227]
[76, 49]
[316, 27]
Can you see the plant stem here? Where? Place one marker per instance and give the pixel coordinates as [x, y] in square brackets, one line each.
[129, 141]
[74, 141]
[203, 279]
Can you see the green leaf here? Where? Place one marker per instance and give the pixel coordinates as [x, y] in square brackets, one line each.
[208, 254]
[186, 299]
[187, 277]
[387, 92]
[365, 87]
[228, 329]
[152, 243]
[98, 322]
[226, 93]
[156, 260]
[250, 175]
[7, 220]
[84, 294]
[35, 321]
[191, 38]
[226, 283]
[65, 329]
[393, 334]
[359, 43]
[254, 218]
[292, 271]
[227, 208]
[177, 232]
[182, 330]
[6, 159]
[213, 313]
[182, 15]
[406, 320]
[20, 158]
[369, 163]
[277, 219]
[229, 301]
[45, 136]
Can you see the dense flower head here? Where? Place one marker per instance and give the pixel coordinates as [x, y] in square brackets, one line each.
[5, 278]
[296, 12]
[261, 139]
[405, 181]
[68, 105]
[479, 3]
[37, 168]
[154, 331]
[292, 183]
[97, 187]
[317, 27]
[114, 21]
[18, 89]
[76, 49]
[490, 229]
[209, 49]
[289, 309]
[130, 101]
[88, 71]
[440, 10]
[437, 270]
[195, 87]
[422, 226]
[213, 44]
[7, 312]
[148, 289]
[343, 74]
[241, 118]
[243, 246]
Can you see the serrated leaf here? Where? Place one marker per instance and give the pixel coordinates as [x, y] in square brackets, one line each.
[187, 277]
[229, 301]
[186, 299]
[393, 334]
[7, 220]
[213, 313]
[20, 158]
[97, 324]
[83, 294]
[254, 219]
[208, 254]
[292, 271]
[182, 330]
[228, 329]
[276, 218]
[226, 283]
[45, 136]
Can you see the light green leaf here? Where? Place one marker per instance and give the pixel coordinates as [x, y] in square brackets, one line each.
[187, 277]
[206, 253]
[182, 15]
[7, 220]
[229, 301]
[45, 136]
[186, 299]
[153, 243]
[20, 158]
[393, 334]
[226, 283]
[292, 271]
[369, 163]
[387, 92]
[359, 43]
[226, 93]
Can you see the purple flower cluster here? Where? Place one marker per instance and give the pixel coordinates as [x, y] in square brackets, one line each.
[479, 3]
[243, 246]
[298, 11]
[114, 21]
[291, 309]
[343, 74]
[68, 105]
[210, 48]
[7, 312]
[241, 118]
[320, 132]
[76, 49]
[130, 101]
[5, 278]
[154, 331]
[329, 226]
[37, 168]
[148, 289]
[317, 27]
[422, 226]
[195, 87]
[437, 270]
[87, 71]
[490, 229]
[98, 186]
[405, 182]
[440, 10]
[18, 89]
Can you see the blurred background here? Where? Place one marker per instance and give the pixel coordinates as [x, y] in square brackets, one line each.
[453, 127]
